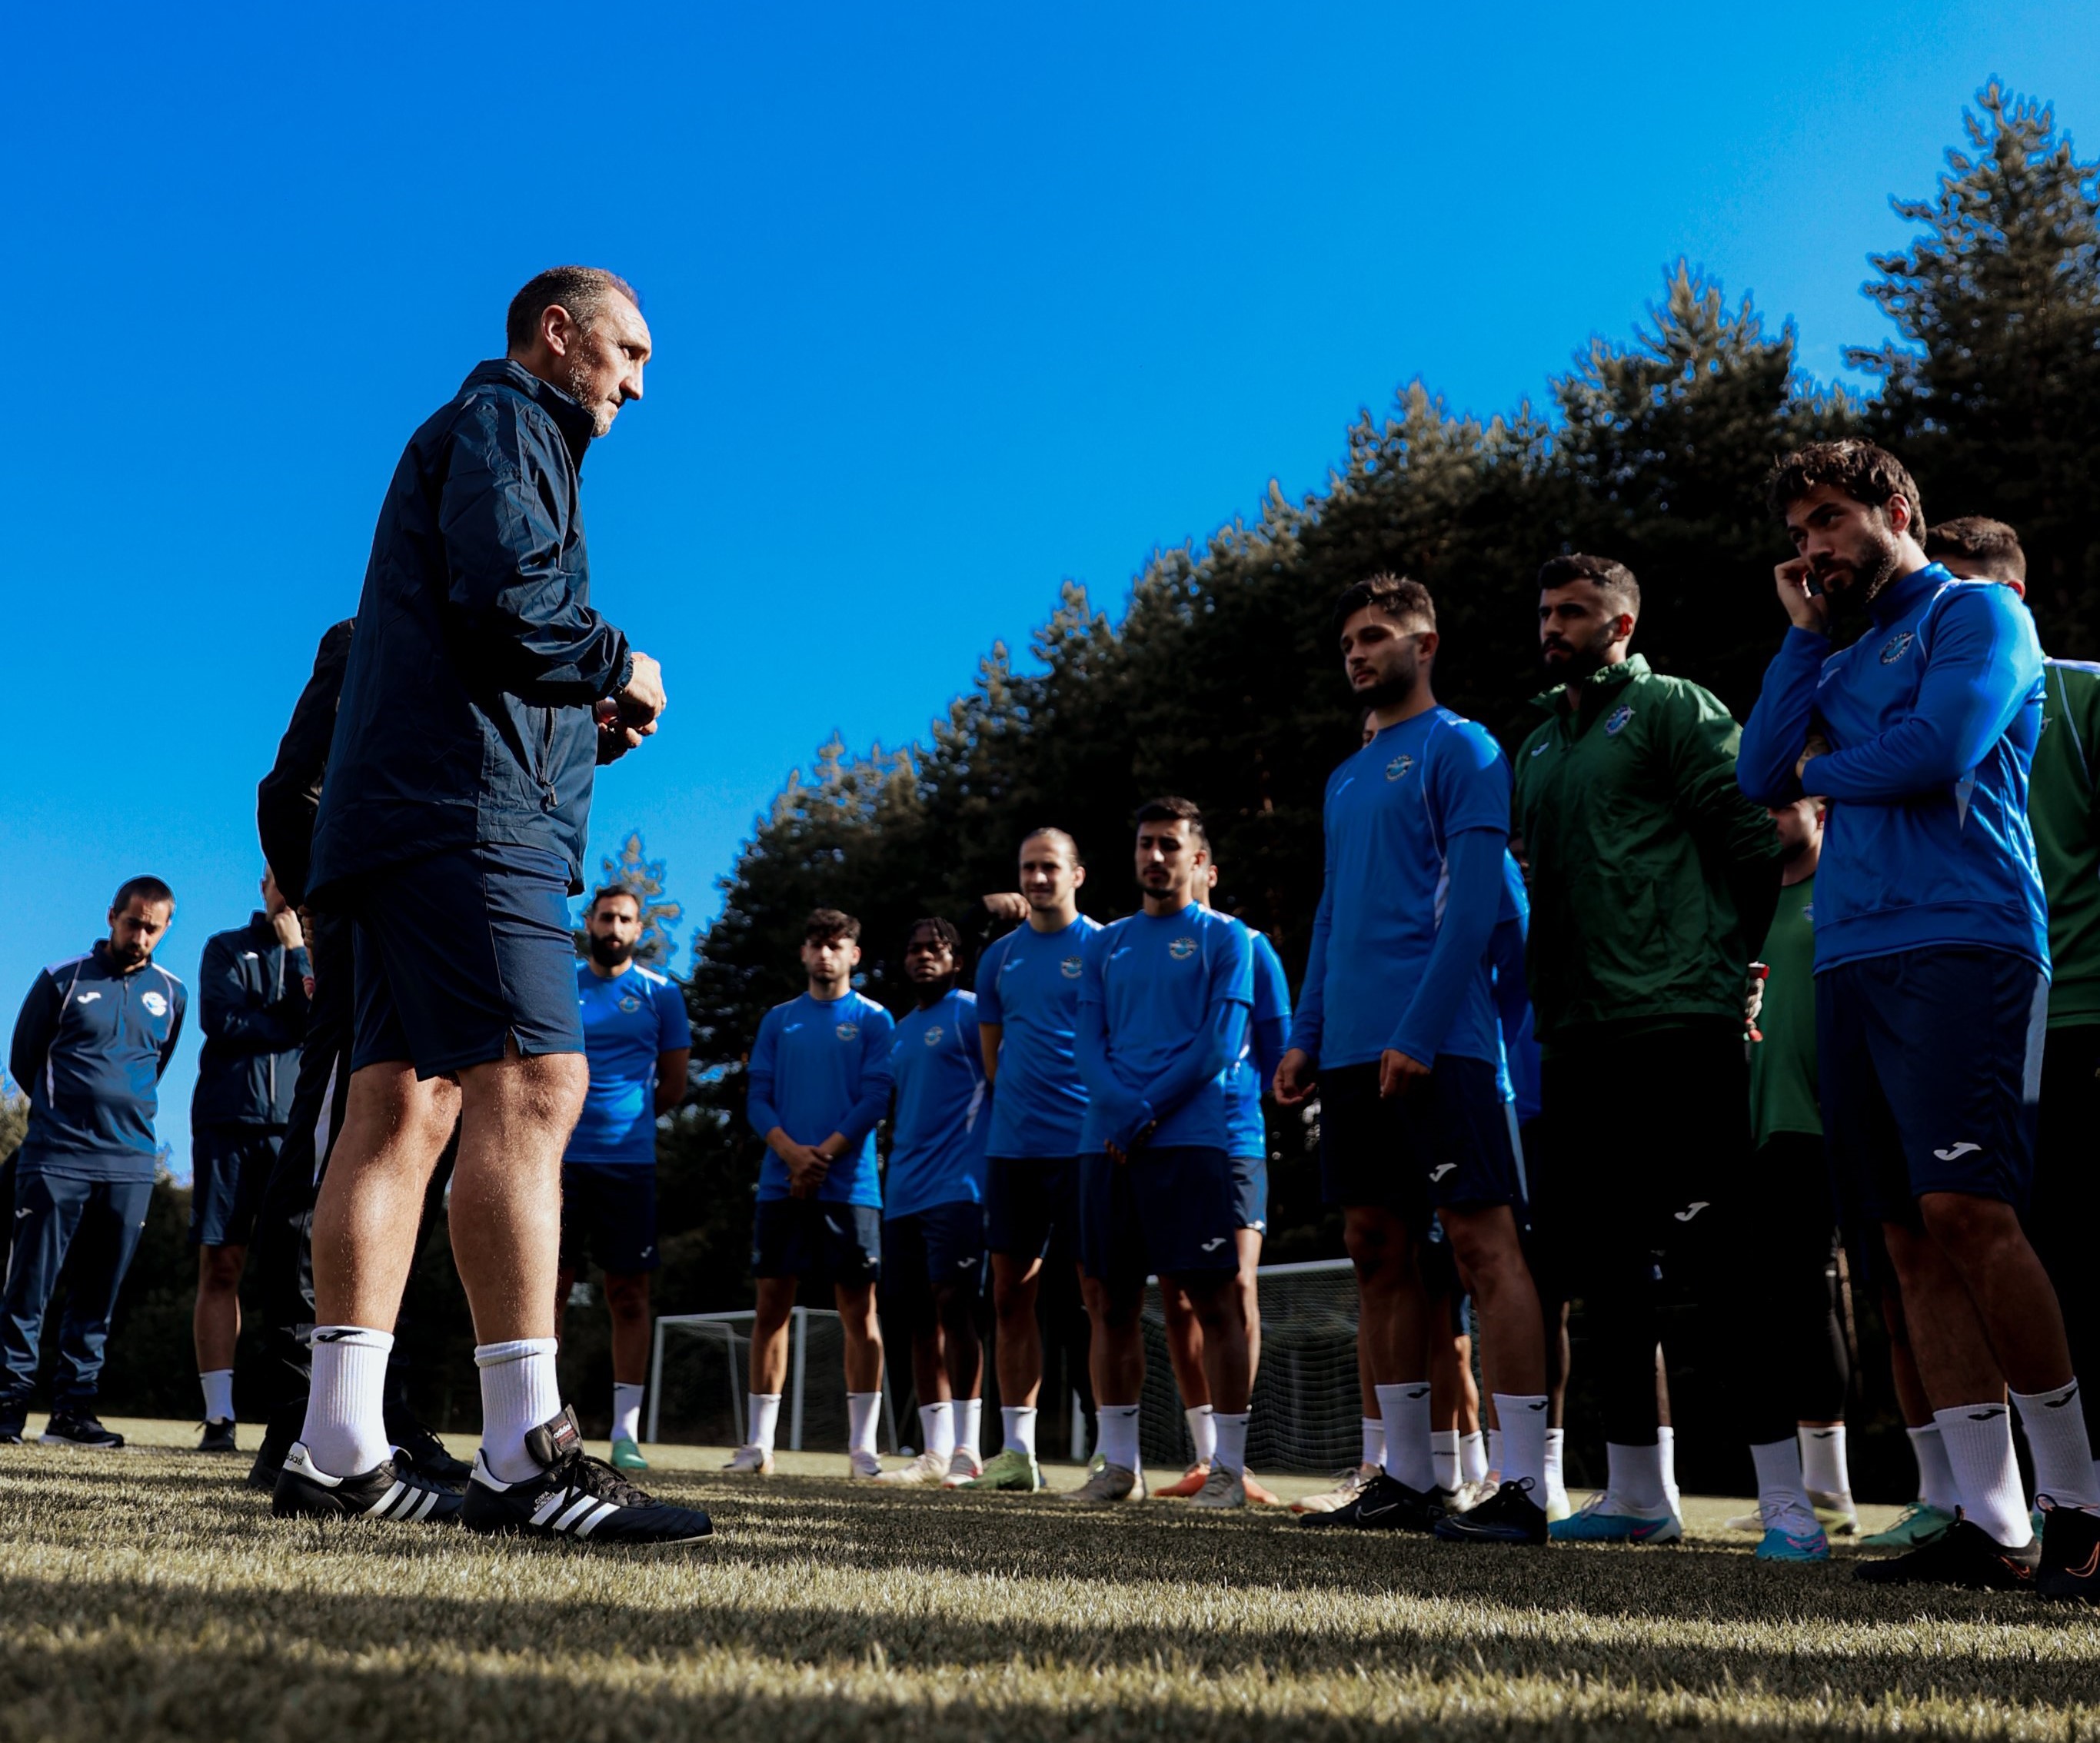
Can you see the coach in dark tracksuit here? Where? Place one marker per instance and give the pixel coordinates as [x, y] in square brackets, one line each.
[94, 1035]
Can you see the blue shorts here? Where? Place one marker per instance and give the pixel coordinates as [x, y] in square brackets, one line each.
[1445, 1142]
[816, 1241]
[1173, 1211]
[1928, 1064]
[460, 953]
[609, 1214]
[1250, 1192]
[230, 1166]
[1028, 1200]
[940, 1248]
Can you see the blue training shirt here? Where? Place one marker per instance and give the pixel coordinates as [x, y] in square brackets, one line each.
[817, 1067]
[1029, 983]
[937, 1147]
[629, 1019]
[1932, 716]
[1269, 1033]
[1417, 824]
[1518, 1077]
[1163, 1002]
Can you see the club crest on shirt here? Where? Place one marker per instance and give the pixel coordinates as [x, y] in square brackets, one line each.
[1895, 647]
[1541, 748]
[1069, 968]
[847, 1031]
[1808, 913]
[155, 1004]
[934, 1032]
[1182, 948]
[630, 1003]
[1398, 766]
[1618, 719]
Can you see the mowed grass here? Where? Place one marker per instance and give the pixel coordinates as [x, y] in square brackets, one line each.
[146, 1593]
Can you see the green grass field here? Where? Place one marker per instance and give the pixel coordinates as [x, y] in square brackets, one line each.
[146, 1593]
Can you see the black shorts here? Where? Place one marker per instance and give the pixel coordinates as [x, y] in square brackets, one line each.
[460, 953]
[1172, 1211]
[940, 1248]
[1250, 1192]
[1027, 1200]
[230, 1166]
[816, 1241]
[1928, 1064]
[1445, 1142]
[609, 1214]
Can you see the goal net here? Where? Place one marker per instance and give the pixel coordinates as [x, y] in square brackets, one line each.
[699, 1374]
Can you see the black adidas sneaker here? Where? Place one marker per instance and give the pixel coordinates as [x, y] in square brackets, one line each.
[386, 1491]
[575, 1496]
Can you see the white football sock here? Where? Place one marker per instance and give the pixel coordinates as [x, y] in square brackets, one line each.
[1556, 1468]
[1665, 1440]
[1979, 1438]
[518, 1392]
[1634, 1474]
[1495, 1452]
[1444, 1456]
[626, 1411]
[861, 1409]
[1473, 1462]
[936, 1424]
[765, 1419]
[1019, 1423]
[1374, 1440]
[1230, 1449]
[1523, 1434]
[218, 1383]
[1783, 1503]
[1202, 1431]
[345, 1428]
[1117, 1425]
[1935, 1477]
[2055, 1425]
[969, 1424]
[1405, 1411]
[1823, 1464]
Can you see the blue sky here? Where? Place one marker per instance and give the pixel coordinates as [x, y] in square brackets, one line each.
[950, 303]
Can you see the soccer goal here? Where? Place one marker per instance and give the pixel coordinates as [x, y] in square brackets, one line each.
[699, 1373]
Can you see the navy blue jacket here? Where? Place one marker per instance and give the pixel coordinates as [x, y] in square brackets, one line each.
[89, 1048]
[254, 997]
[465, 714]
[290, 793]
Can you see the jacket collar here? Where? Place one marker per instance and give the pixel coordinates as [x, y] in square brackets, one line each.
[1903, 595]
[571, 419]
[1601, 682]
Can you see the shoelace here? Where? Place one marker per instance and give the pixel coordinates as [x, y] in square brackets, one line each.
[584, 1475]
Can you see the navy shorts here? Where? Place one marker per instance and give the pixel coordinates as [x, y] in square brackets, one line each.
[609, 1214]
[816, 1241]
[460, 953]
[1250, 1192]
[1929, 1064]
[230, 1168]
[936, 1248]
[1027, 1200]
[1172, 1211]
[1446, 1142]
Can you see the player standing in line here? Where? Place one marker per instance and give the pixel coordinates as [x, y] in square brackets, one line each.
[1268, 1029]
[1651, 876]
[480, 692]
[252, 992]
[932, 1215]
[1028, 1014]
[1163, 1003]
[94, 1038]
[638, 1042]
[1396, 1026]
[1932, 983]
[819, 1080]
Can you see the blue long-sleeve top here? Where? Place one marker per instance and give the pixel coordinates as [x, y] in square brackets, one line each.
[1932, 716]
[1267, 1036]
[818, 1067]
[1519, 1071]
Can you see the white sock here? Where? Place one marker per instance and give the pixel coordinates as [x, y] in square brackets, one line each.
[1634, 1474]
[1444, 1456]
[2055, 1425]
[1202, 1431]
[1556, 1468]
[218, 1383]
[1473, 1462]
[346, 1429]
[1019, 1421]
[1935, 1477]
[1665, 1440]
[518, 1392]
[1494, 1452]
[1405, 1411]
[1979, 1439]
[627, 1411]
[1823, 1464]
[765, 1419]
[936, 1424]
[969, 1424]
[1373, 1441]
[861, 1409]
[1116, 1425]
[1782, 1501]
[1524, 1436]
[1230, 1450]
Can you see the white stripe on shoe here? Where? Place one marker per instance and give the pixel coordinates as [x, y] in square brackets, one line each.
[382, 1508]
[606, 1510]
